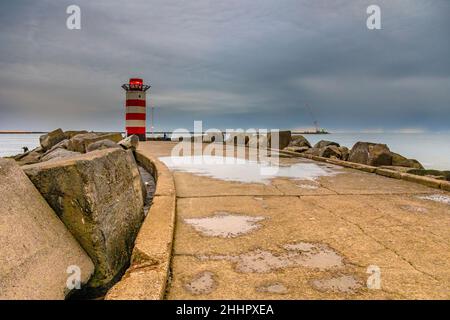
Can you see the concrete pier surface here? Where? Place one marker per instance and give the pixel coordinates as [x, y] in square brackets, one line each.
[330, 233]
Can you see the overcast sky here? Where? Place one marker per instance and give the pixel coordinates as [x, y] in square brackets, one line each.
[232, 64]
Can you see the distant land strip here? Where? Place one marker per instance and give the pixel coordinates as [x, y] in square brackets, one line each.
[148, 132]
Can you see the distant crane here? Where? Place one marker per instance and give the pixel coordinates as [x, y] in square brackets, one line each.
[316, 124]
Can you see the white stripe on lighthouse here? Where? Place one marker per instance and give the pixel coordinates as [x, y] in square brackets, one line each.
[135, 109]
[135, 95]
[135, 123]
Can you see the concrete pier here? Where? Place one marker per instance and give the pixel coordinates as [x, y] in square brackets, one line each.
[346, 235]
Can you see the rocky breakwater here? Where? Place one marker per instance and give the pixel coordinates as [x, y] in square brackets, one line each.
[92, 183]
[366, 153]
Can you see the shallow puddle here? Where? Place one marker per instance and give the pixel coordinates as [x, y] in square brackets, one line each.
[277, 288]
[225, 225]
[302, 254]
[308, 186]
[437, 198]
[344, 284]
[414, 209]
[246, 171]
[202, 283]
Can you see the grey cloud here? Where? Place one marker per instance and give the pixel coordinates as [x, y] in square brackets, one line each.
[228, 63]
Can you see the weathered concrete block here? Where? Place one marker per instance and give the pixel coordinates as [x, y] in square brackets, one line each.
[58, 154]
[372, 154]
[296, 149]
[284, 138]
[102, 144]
[445, 185]
[359, 166]
[299, 141]
[72, 133]
[80, 142]
[99, 198]
[36, 248]
[330, 151]
[401, 161]
[388, 173]
[324, 143]
[430, 182]
[50, 139]
[29, 157]
[130, 142]
[238, 138]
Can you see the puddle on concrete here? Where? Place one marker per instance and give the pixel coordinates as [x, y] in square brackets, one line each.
[342, 284]
[202, 283]
[225, 225]
[302, 254]
[437, 198]
[277, 288]
[241, 170]
[414, 209]
[308, 186]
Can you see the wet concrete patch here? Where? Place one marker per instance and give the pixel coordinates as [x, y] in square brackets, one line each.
[302, 254]
[202, 283]
[341, 284]
[246, 171]
[225, 225]
[437, 198]
[308, 186]
[277, 288]
[414, 209]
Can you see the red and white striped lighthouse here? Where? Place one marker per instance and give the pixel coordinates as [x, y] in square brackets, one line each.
[135, 115]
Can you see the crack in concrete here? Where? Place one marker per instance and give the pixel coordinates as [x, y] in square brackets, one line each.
[381, 244]
[299, 195]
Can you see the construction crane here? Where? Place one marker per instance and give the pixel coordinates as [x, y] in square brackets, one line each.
[316, 124]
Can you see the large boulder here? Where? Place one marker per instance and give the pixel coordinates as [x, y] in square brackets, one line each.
[437, 174]
[313, 151]
[299, 141]
[50, 139]
[238, 138]
[330, 151]
[64, 144]
[72, 133]
[372, 154]
[258, 141]
[323, 143]
[284, 138]
[345, 153]
[58, 154]
[102, 144]
[29, 157]
[36, 250]
[400, 161]
[80, 142]
[130, 142]
[99, 197]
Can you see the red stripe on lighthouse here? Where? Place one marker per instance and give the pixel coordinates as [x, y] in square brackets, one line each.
[135, 103]
[135, 130]
[135, 116]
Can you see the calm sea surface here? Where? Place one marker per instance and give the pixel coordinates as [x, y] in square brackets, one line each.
[431, 149]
